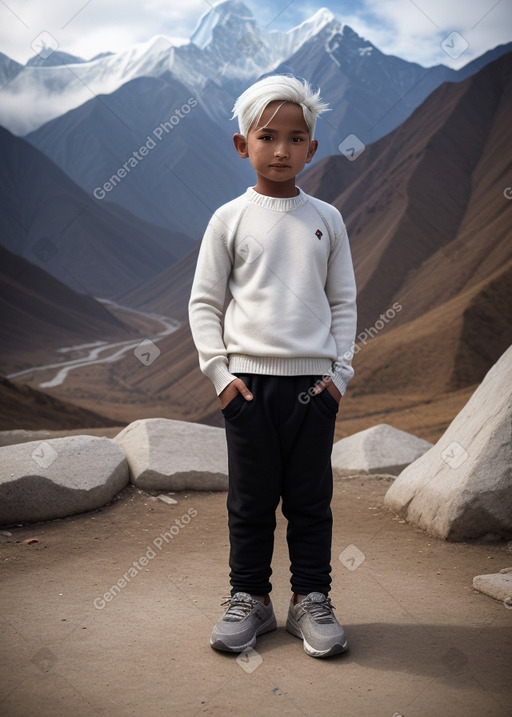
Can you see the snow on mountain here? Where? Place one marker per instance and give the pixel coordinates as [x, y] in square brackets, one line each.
[230, 13]
[227, 51]
[39, 94]
[227, 38]
[231, 24]
[283, 44]
[55, 58]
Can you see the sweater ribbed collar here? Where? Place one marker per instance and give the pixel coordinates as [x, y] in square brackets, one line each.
[277, 204]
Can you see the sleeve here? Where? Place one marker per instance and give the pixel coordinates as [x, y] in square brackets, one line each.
[341, 293]
[206, 305]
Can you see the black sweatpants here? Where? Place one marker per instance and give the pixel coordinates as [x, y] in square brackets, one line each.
[279, 446]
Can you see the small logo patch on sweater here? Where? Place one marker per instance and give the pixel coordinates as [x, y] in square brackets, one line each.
[319, 234]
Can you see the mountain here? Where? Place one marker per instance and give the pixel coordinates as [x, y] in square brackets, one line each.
[430, 234]
[228, 49]
[430, 231]
[54, 59]
[224, 48]
[424, 206]
[168, 290]
[8, 69]
[25, 408]
[179, 182]
[370, 93]
[41, 314]
[119, 103]
[95, 247]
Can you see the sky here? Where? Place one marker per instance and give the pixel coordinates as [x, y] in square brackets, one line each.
[452, 32]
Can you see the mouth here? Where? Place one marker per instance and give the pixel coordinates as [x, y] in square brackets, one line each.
[280, 166]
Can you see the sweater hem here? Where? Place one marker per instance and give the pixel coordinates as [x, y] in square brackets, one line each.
[280, 365]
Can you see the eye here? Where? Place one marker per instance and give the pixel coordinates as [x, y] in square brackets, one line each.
[266, 137]
[297, 139]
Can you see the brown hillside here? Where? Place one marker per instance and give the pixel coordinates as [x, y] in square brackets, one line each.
[169, 291]
[430, 229]
[40, 314]
[25, 408]
[437, 179]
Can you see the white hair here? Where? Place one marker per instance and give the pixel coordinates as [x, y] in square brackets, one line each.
[285, 88]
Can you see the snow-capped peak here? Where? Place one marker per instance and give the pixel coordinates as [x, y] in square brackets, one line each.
[227, 35]
[221, 12]
[284, 44]
[318, 21]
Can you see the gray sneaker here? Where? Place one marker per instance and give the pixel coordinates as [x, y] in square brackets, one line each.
[243, 621]
[313, 620]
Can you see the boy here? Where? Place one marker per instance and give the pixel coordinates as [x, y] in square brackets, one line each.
[273, 316]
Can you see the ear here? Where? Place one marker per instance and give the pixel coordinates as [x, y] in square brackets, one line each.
[313, 146]
[240, 143]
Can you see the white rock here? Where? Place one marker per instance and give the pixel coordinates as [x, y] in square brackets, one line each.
[497, 585]
[380, 449]
[43, 480]
[164, 454]
[462, 488]
[167, 499]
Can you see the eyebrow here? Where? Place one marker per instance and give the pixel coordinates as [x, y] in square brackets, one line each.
[274, 131]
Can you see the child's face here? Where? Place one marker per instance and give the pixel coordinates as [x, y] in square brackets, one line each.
[278, 147]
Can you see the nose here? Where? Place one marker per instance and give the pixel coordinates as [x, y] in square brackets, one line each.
[280, 150]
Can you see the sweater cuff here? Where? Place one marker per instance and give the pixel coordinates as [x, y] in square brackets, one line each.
[219, 376]
[340, 380]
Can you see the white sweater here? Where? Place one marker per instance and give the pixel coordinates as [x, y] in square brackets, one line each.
[274, 291]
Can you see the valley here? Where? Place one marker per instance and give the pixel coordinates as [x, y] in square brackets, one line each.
[102, 352]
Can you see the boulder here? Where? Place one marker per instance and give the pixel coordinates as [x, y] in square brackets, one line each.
[164, 454]
[43, 480]
[380, 449]
[497, 585]
[461, 488]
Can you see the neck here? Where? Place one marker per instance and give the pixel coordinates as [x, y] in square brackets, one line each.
[280, 190]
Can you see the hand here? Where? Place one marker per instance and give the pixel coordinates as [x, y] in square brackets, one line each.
[327, 384]
[229, 393]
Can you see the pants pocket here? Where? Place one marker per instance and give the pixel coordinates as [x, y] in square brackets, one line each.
[234, 407]
[326, 403]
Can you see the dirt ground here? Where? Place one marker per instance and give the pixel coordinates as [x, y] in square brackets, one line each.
[80, 639]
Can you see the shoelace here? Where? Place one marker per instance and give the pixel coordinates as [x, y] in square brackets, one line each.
[238, 609]
[321, 612]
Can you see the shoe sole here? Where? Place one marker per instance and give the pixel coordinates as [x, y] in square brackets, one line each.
[294, 629]
[219, 644]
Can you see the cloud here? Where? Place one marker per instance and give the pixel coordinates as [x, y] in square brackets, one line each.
[412, 29]
[88, 27]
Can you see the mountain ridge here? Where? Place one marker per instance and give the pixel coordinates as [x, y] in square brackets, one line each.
[182, 181]
[40, 314]
[51, 221]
